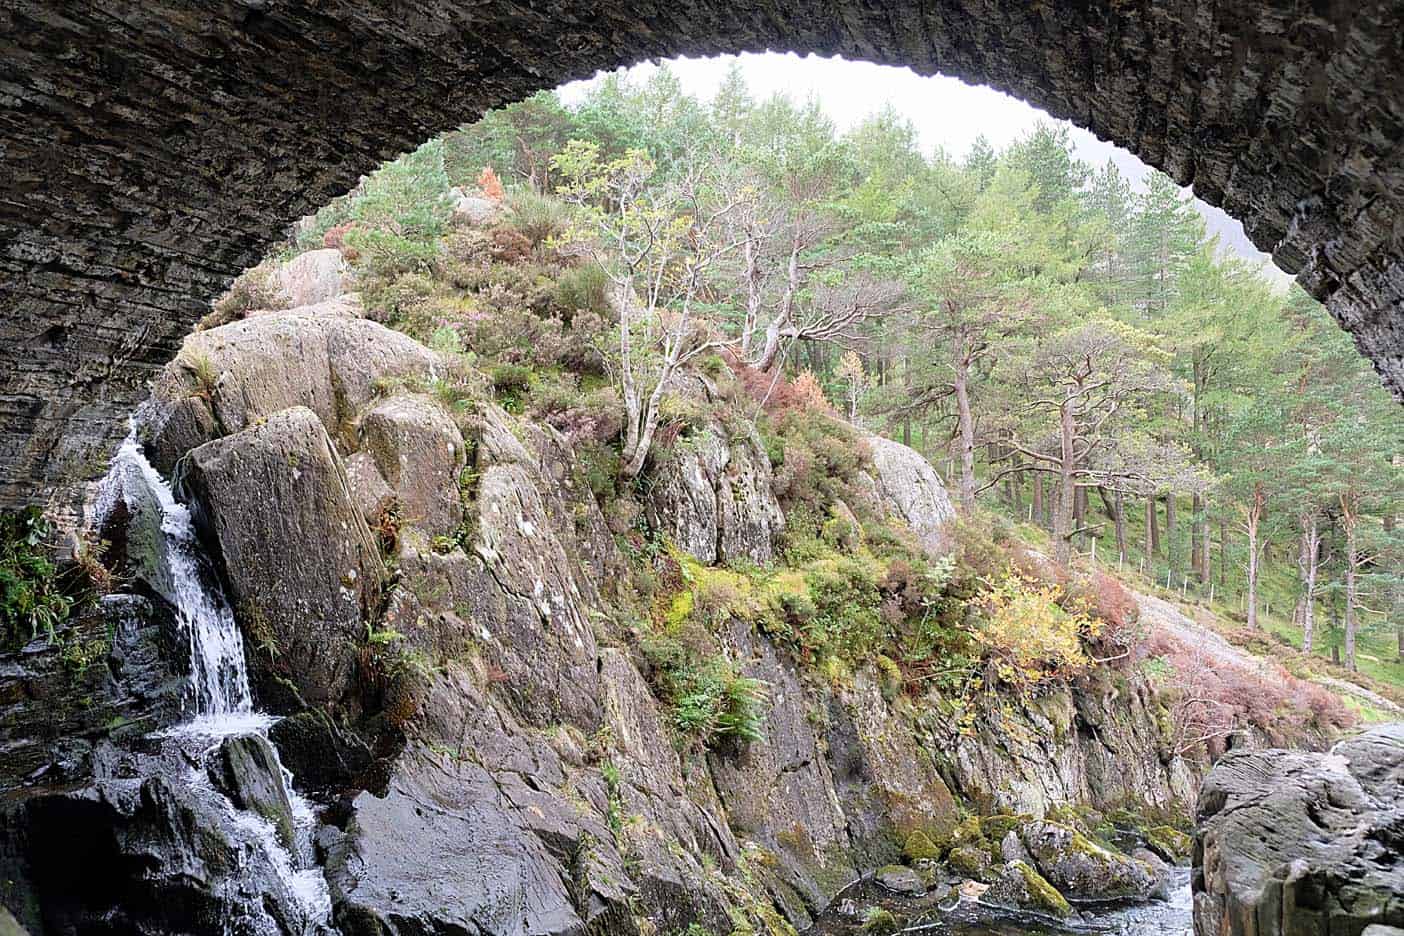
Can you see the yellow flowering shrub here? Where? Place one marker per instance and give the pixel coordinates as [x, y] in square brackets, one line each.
[1031, 637]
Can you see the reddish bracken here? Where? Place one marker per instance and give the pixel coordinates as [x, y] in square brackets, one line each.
[336, 237]
[1212, 697]
[778, 395]
[490, 185]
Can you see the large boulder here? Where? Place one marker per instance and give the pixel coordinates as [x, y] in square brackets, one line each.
[1083, 870]
[246, 768]
[312, 277]
[275, 511]
[227, 378]
[420, 453]
[909, 489]
[1019, 886]
[1291, 842]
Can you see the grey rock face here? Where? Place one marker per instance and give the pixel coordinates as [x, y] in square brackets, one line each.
[910, 490]
[312, 277]
[419, 451]
[227, 378]
[714, 498]
[1290, 842]
[274, 507]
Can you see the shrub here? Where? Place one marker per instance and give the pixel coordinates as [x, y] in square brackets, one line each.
[335, 237]
[540, 218]
[582, 289]
[36, 596]
[714, 703]
[1028, 633]
[846, 622]
[508, 246]
[387, 254]
[510, 383]
[255, 288]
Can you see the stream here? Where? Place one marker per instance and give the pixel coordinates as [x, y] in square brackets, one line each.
[928, 915]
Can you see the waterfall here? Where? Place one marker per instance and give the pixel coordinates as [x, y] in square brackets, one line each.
[175, 565]
[219, 679]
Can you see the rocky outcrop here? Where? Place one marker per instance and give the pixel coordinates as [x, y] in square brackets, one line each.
[1290, 842]
[227, 378]
[1082, 870]
[473, 707]
[714, 498]
[275, 509]
[909, 489]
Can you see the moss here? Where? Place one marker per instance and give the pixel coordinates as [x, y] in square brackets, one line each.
[970, 860]
[879, 921]
[1042, 895]
[1170, 844]
[889, 677]
[919, 847]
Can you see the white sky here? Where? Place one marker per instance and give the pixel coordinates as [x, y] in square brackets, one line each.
[946, 112]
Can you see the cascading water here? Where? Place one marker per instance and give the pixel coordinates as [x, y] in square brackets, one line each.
[220, 701]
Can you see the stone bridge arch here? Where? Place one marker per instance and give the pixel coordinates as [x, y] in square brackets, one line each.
[152, 148]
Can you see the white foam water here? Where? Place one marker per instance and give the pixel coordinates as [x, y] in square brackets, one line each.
[219, 681]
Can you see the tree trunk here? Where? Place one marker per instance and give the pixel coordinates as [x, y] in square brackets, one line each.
[1196, 541]
[1255, 515]
[1118, 519]
[1038, 499]
[1080, 511]
[1307, 563]
[1348, 521]
[1206, 571]
[1152, 527]
[1063, 521]
[1170, 527]
[966, 421]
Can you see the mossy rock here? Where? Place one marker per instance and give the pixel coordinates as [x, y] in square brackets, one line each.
[995, 828]
[972, 861]
[919, 847]
[1170, 844]
[968, 832]
[1039, 894]
[879, 921]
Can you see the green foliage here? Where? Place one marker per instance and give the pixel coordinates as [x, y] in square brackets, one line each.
[36, 597]
[711, 702]
[582, 288]
[540, 218]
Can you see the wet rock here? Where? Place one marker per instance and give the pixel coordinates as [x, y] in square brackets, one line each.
[246, 769]
[275, 511]
[1019, 886]
[899, 879]
[321, 755]
[441, 854]
[141, 854]
[420, 454]
[53, 714]
[911, 490]
[1169, 844]
[1294, 842]
[1158, 868]
[1083, 870]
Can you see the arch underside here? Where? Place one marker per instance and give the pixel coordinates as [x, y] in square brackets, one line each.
[151, 151]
